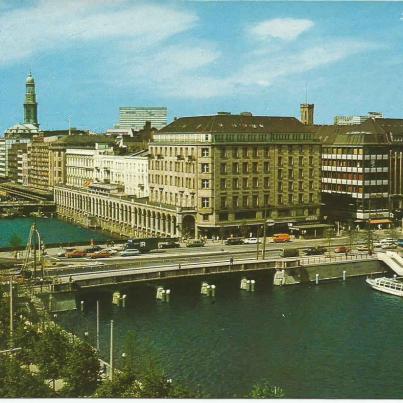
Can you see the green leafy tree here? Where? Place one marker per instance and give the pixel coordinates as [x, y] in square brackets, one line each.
[265, 391]
[329, 235]
[17, 382]
[81, 370]
[50, 353]
[142, 376]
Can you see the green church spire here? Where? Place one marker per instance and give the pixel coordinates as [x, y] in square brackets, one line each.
[30, 104]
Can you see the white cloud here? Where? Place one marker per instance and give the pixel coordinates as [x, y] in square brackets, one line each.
[257, 74]
[280, 28]
[50, 25]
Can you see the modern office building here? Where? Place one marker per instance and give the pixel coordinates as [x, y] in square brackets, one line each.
[356, 120]
[135, 117]
[361, 171]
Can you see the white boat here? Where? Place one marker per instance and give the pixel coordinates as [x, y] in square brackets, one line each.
[389, 285]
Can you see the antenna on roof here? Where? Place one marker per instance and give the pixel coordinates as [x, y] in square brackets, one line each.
[306, 92]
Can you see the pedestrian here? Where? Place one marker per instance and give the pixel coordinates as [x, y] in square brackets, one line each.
[179, 266]
[231, 260]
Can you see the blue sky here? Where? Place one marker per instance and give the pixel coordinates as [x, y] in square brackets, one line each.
[89, 57]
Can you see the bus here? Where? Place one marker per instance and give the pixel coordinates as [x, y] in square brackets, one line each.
[281, 238]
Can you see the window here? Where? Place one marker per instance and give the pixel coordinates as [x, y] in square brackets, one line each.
[245, 201]
[255, 152]
[280, 186]
[244, 183]
[223, 168]
[290, 161]
[245, 167]
[280, 199]
[244, 152]
[255, 201]
[266, 182]
[223, 216]
[205, 152]
[235, 168]
[300, 198]
[205, 201]
[279, 161]
[289, 198]
[235, 152]
[223, 202]
[205, 183]
[266, 167]
[223, 153]
[255, 182]
[235, 201]
[254, 167]
[310, 197]
[205, 217]
[223, 184]
[205, 168]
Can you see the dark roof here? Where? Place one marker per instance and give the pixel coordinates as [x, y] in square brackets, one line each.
[370, 132]
[87, 139]
[227, 123]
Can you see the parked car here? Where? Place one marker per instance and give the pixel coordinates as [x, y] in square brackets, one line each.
[118, 248]
[315, 250]
[168, 245]
[76, 254]
[377, 244]
[388, 245]
[63, 252]
[129, 252]
[363, 248]
[100, 254]
[342, 249]
[92, 249]
[251, 240]
[388, 240]
[400, 242]
[234, 241]
[290, 252]
[194, 243]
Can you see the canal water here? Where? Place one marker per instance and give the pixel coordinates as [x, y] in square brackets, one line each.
[334, 340]
[52, 230]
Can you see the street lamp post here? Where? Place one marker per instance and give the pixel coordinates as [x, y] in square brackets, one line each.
[98, 325]
[11, 313]
[111, 353]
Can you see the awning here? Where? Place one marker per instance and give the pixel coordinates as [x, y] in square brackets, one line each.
[380, 221]
[311, 226]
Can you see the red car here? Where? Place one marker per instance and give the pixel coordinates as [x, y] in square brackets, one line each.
[342, 249]
[76, 253]
[100, 254]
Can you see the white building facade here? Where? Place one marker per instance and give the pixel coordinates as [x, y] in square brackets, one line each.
[131, 171]
[80, 170]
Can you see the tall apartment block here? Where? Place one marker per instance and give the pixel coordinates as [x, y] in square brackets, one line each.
[231, 172]
[135, 117]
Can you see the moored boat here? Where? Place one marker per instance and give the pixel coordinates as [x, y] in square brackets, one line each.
[388, 285]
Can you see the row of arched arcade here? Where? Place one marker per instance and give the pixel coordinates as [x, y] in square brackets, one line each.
[122, 216]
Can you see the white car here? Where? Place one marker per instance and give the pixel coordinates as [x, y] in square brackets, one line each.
[129, 252]
[251, 240]
[388, 240]
[388, 245]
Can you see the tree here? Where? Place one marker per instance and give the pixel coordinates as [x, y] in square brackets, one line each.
[81, 370]
[329, 234]
[50, 353]
[142, 376]
[17, 382]
[265, 391]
